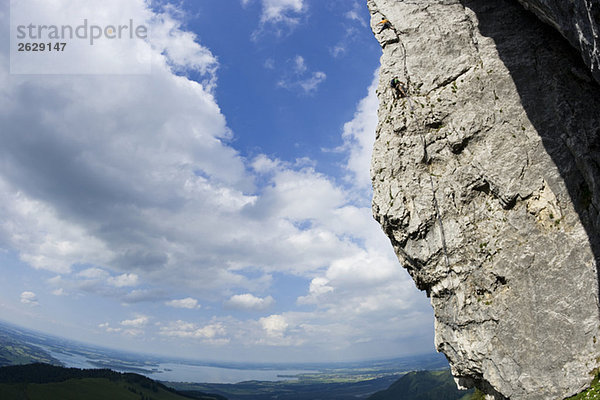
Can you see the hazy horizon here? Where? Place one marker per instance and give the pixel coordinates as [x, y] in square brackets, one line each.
[142, 356]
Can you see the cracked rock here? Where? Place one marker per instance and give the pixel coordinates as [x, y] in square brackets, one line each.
[486, 180]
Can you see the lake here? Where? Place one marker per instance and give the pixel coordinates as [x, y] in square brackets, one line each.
[200, 374]
[179, 372]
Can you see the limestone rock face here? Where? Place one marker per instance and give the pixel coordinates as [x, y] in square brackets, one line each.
[486, 180]
[578, 21]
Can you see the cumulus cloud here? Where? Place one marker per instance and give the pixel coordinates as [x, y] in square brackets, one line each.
[282, 10]
[109, 181]
[93, 273]
[274, 325]
[139, 183]
[278, 17]
[214, 333]
[123, 280]
[311, 84]
[269, 63]
[354, 14]
[188, 303]
[98, 281]
[300, 78]
[42, 238]
[181, 46]
[109, 329]
[318, 287]
[141, 296]
[29, 298]
[248, 301]
[359, 137]
[338, 50]
[299, 65]
[138, 322]
[133, 327]
[129, 187]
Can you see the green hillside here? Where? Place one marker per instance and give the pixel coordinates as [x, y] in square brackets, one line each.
[47, 382]
[14, 351]
[423, 385]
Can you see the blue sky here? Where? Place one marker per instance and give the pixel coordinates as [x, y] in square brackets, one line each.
[217, 208]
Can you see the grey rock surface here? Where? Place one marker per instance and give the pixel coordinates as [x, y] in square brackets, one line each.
[578, 21]
[486, 180]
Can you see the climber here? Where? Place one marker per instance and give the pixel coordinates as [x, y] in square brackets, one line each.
[398, 88]
[386, 24]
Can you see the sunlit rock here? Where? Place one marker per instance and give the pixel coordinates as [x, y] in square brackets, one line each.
[486, 182]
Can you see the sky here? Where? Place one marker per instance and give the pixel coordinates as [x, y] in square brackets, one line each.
[208, 198]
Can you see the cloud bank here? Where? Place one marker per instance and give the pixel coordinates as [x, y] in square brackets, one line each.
[130, 188]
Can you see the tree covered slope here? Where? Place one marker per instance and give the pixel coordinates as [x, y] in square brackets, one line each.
[48, 382]
[423, 385]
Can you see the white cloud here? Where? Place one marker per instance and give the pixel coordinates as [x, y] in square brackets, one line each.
[278, 17]
[97, 192]
[318, 287]
[106, 327]
[248, 301]
[132, 327]
[93, 273]
[138, 322]
[181, 47]
[282, 10]
[269, 63]
[135, 178]
[355, 14]
[188, 303]
[359, 137]
[338, 50]
[29, 298]
[299, 65]
[212, 333]
[42, 238]
[263, 164]
[123, 280]
[311, 84]
[274, 325]
[133, 332]
[154, 194]
[97, 281]
[300, 78]
[143, 295]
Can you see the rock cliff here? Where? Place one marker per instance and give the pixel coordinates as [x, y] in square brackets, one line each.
[486, 180]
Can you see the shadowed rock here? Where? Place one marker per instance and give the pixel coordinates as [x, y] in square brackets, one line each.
[578, 21]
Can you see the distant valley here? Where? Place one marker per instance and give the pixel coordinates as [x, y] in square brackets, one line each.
[337, 381]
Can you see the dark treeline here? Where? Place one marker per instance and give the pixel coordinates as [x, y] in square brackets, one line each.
[45, 373]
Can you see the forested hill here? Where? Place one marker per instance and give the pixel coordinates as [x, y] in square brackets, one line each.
[424, 385]
[48, 382]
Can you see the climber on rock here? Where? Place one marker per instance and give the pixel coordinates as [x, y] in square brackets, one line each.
[386, 24]
[398, 88]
